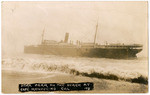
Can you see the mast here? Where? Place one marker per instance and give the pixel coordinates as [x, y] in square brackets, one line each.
[95, 33]
[43, 36]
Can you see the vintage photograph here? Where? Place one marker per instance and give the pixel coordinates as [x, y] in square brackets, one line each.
[74, 47]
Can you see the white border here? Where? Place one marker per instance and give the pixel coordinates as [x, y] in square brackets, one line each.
[78, 0]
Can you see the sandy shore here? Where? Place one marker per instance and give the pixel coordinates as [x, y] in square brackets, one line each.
[11, 80]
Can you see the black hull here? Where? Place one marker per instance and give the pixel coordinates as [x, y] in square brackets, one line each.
[118, 53]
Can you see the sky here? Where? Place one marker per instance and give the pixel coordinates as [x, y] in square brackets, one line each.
[118, 22]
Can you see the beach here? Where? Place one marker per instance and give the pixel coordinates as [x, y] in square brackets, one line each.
[11, 80]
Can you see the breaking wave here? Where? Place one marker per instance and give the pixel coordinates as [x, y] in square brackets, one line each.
[89, 67]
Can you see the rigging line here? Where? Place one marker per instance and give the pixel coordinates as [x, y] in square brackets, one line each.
[86, 36]
[92, 32]
[89, 33]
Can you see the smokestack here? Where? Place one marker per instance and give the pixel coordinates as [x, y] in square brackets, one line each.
[66, 37]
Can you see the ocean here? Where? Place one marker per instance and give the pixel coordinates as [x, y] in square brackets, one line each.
[132, 70]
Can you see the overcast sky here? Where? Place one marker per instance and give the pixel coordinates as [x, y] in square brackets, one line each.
[118, 22]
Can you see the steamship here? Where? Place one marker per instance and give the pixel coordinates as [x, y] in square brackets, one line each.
[65, 48]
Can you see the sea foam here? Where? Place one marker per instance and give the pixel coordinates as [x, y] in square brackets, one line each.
[90, 67]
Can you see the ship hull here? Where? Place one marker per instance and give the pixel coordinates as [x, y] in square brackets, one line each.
[85, 52]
